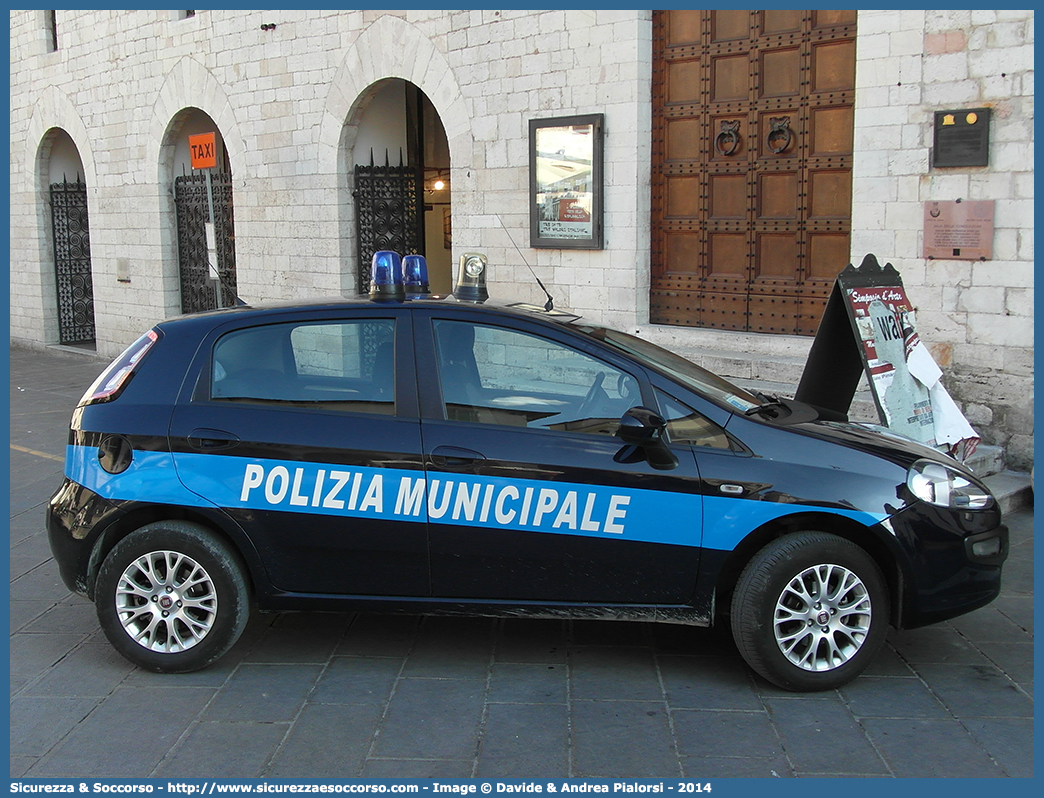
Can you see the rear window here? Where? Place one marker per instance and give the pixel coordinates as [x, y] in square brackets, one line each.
[115, 378]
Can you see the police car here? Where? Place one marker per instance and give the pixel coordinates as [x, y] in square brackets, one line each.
[408, 452]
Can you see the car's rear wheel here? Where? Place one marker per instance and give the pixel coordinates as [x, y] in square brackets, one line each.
[810, 611]
[172, 597]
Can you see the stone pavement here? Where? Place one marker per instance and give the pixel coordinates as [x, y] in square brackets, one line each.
[348, 695]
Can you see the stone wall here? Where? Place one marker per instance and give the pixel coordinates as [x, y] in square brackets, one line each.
[286, 101]
[976, 316]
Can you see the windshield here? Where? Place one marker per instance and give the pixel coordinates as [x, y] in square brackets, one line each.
[682, 370]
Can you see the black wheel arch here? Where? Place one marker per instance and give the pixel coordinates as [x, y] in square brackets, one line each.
[884, 555]
[139, 514]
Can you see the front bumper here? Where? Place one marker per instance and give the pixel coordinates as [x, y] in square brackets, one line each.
[953, 560]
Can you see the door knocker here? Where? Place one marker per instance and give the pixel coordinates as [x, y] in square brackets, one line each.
[728, 140]
[779, 136]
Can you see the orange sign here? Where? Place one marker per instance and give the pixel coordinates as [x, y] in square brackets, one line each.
[203, 151]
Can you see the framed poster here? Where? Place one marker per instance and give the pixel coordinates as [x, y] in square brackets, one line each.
[565, 182]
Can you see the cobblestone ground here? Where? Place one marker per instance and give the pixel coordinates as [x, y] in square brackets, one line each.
[342, 695]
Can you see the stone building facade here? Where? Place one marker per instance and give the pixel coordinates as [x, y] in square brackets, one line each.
[113, 96]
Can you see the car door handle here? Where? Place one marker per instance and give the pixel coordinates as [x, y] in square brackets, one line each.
[211, 440]
[454, 456]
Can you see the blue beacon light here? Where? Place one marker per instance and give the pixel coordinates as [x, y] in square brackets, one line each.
[415, 274]
[386, 277]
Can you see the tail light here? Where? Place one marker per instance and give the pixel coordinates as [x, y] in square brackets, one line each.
[115, 378]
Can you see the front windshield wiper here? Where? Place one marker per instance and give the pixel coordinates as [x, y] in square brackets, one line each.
[785, 411]
[770, 406]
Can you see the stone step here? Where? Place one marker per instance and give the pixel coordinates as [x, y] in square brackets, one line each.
[1013, 490]
[986, 460]
[739, 366]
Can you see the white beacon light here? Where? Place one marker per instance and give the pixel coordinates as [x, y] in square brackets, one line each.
[471, 279]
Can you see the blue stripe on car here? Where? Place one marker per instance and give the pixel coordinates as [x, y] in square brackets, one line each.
[635, 514]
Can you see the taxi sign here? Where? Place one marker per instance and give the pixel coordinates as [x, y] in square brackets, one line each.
[203, 151]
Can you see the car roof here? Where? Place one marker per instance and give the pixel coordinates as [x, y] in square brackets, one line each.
[209, 318]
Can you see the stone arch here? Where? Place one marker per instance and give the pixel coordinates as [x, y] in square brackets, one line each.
[187, 86]
[52, 111]
[191, 85]
[389, 48]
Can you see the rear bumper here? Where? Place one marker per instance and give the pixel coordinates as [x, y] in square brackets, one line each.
[75, 516]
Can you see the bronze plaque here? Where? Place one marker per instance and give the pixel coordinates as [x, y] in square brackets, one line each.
[962, 138]
[958, 230]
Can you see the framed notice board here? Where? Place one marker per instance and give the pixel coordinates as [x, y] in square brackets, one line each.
[565, 182]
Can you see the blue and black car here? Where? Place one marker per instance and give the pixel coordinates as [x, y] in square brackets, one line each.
[452, 455]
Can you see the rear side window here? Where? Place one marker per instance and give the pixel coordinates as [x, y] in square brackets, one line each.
[337, 365]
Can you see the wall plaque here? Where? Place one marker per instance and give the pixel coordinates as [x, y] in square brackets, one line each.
[958, 230]
[962, 138]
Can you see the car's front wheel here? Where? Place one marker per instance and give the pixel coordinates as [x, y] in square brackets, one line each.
[810, 611]
[172, 597]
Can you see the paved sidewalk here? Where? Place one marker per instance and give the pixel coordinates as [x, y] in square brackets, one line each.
[346, 695]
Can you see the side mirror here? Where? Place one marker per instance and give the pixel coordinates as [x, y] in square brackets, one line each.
[642, 430]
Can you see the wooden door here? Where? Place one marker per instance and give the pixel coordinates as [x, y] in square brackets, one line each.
[752, 166]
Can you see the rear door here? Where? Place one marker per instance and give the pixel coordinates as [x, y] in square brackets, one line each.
[305, 432]
[526, 500]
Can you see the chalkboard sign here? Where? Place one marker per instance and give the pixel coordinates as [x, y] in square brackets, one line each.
[869, 326]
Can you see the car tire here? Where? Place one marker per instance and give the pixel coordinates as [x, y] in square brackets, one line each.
[810, 611]
[172, 597]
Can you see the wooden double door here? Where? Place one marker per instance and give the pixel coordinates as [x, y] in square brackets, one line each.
[752, 166]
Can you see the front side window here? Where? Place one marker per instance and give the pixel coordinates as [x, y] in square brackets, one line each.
[342, 365]
[494, 375]
[687, 426]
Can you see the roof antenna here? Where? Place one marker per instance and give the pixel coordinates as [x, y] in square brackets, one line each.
[237, 299]
[550, 304]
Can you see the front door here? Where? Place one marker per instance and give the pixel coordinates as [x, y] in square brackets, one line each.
[753, 115]
[525, 499]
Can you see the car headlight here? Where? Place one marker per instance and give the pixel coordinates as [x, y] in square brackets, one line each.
[943, 486]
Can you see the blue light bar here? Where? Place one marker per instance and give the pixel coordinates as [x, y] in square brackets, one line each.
[415, 274]
[386, 276]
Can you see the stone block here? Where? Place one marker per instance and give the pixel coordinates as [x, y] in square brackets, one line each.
[1012, 156]
[946, 92]
[953, 41]
[982, 299]
[1000, 330]
[1010, 274]
[1019, 361]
